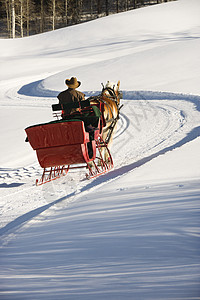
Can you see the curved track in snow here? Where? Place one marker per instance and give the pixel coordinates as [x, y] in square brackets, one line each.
[151, 124]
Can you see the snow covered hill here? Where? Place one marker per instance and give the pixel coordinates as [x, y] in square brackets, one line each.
[134, 232]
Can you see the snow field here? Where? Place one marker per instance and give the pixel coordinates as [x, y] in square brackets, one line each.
[134, 232]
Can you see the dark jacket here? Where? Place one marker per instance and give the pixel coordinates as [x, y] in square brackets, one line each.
[69, 96]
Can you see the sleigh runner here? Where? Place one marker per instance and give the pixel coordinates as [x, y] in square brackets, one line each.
[75, 141]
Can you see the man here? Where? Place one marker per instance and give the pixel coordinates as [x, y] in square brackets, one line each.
[71, 94]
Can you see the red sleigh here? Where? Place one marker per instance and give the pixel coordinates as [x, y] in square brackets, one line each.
[73, 142]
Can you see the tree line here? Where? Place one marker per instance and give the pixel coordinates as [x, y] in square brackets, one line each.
[19, 18]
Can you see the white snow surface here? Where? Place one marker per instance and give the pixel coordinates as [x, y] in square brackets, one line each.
[133, 233]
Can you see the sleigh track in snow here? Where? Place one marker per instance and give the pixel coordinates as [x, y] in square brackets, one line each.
[177, 130]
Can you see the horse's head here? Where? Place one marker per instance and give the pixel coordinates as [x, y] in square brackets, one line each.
[112, 90]
[112, 85]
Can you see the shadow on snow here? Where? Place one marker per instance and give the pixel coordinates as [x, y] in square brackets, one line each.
[100, 180]
[33, 89]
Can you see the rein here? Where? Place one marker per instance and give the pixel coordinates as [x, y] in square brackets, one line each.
[113, 97]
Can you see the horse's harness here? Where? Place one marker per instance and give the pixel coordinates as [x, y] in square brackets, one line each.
[113, 120]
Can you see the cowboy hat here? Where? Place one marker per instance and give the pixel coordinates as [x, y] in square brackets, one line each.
[72, 83]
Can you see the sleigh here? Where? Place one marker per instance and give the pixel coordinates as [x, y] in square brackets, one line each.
[73, 142]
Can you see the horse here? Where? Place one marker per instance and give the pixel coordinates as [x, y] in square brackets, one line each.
[110, 97]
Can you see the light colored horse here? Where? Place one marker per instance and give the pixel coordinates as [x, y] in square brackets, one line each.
[110, 97]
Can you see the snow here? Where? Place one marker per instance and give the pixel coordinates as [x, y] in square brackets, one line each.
[132, 233]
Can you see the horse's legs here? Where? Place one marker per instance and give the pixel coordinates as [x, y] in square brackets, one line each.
[104, 152]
